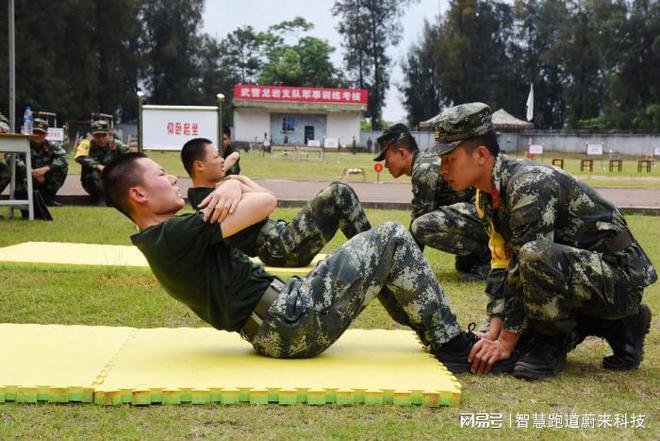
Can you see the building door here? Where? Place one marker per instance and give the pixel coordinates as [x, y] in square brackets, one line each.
[309, 133]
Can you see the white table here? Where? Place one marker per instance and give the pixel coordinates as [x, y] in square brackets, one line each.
[15, 143]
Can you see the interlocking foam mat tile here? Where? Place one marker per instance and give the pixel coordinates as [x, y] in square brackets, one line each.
[102, 255]
[109, 366]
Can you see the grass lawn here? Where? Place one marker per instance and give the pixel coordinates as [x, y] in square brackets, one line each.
[132, 297]
[279, 167]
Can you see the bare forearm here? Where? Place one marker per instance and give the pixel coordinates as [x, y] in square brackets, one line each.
[250, 184]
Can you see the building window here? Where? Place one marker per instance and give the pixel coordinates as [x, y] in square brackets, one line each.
[288, 124]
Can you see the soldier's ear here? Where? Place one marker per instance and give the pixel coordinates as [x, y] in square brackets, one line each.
[136, 195]
[482, 154]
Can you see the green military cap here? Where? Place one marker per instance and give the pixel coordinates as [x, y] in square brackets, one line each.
[460, 123]
[39, 126]
[390, 136]
[100, 126]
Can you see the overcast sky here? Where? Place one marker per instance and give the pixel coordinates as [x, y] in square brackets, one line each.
[223, 16]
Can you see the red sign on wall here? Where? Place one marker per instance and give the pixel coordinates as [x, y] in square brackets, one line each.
[299, 94]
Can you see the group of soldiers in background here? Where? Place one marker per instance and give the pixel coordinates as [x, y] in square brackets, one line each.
[50, 165]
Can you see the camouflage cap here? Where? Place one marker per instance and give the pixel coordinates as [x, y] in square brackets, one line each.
[460, 123]
[39, 126]
[390, 136]
[100, 126]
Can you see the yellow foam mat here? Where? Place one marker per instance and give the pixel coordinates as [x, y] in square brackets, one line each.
[102, 255]
[185, 365]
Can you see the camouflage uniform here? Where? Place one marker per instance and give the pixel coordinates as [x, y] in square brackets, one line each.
[443, 218]
[559, 250]
[41, 155]
[89, 156]
[295, 243]
[312, 312]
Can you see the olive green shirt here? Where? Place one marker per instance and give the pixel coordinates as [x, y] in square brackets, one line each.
[192, 262]
[245, 240]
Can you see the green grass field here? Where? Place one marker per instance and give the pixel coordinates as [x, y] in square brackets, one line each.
[131, 297]
[278, 166]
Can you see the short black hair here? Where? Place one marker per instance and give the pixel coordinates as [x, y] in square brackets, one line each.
[118, 176]
[226, 131]
[193, 150]
[488, 140]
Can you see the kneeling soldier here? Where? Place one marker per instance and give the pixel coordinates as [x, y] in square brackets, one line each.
[49, 166]
[94, 155]
[565, 263]
[442, 218]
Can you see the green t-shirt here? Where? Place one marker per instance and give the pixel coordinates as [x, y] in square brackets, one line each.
[245, 240]
[192, 262]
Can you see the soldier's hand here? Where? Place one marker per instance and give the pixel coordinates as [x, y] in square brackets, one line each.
[485, 353]
[221, 202]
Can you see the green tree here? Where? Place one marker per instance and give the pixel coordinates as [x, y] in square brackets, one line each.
[244, 53]
[420, 91]
[474, 56]
[541, 26]
[369, 29]
[73, 57]
[171, 42]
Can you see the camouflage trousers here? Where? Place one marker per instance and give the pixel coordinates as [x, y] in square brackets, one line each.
[92, 182]
[52, 181]
[312, 312]
[297, 242]
[560, 283]
[454, 229]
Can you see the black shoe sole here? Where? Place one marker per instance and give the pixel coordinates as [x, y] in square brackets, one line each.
[610, 363]
[524, 371]
[500, 368]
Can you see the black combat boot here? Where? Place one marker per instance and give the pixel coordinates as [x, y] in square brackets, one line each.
[546, 357]
[454, 354]
[626, 337]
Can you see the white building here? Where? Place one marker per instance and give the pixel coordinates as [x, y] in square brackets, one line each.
[296, 115]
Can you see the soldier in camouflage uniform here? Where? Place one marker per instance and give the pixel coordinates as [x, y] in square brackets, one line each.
[300, 318]
[565, 263]
[5, 173]
[94, 155]
[49, 165]
[277, 243]
[442, 218]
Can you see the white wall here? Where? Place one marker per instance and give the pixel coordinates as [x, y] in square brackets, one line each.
[344, 125]
[250, 123]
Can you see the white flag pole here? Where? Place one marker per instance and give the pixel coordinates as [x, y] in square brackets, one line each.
[530, 103]
[530, 109]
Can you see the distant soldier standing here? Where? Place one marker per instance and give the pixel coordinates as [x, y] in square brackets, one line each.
[442, 218]
[94, 155]
[565, 264]
[49, 165]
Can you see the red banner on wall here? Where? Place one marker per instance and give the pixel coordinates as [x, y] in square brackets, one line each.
[299, 94]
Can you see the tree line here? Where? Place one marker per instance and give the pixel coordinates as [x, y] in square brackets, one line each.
[593, 63]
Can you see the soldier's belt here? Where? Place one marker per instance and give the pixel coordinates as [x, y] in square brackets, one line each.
[619, 242]
[256, 318]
